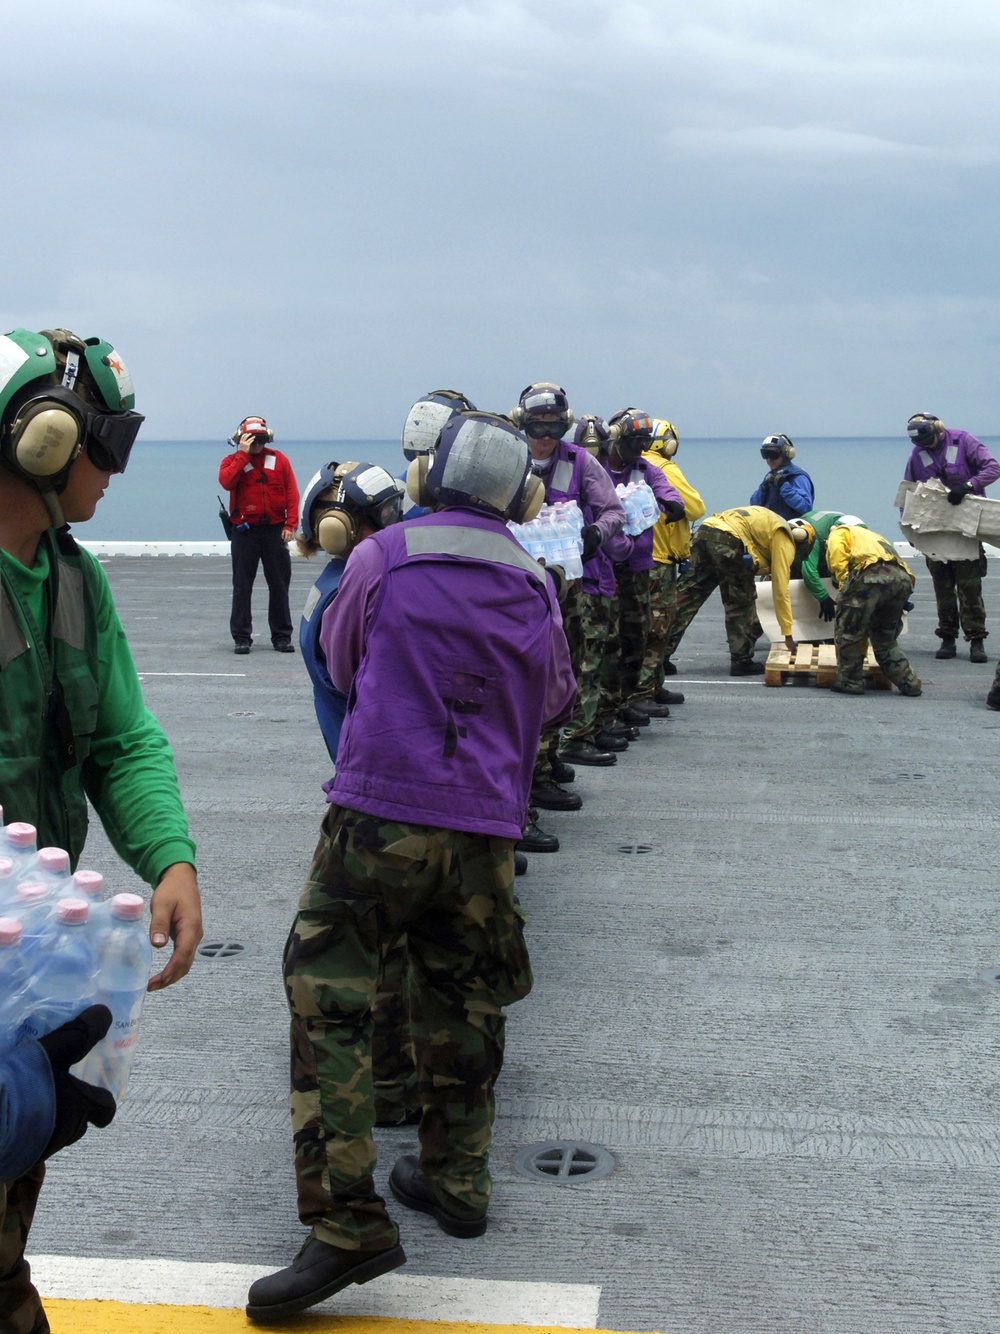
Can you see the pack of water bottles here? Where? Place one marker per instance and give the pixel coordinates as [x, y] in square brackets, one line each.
[554, 536]
[640, 506]
[63, 946]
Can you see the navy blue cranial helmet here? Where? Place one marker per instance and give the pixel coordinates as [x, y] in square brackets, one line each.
[481, 461]
[344, 496]
[426, 418]
[923, 429]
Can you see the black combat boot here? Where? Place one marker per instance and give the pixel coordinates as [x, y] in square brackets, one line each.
[948, 647]
[746, 667]
[977, 651]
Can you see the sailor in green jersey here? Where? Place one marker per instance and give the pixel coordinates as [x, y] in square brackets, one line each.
[73, 724]
[814, 567]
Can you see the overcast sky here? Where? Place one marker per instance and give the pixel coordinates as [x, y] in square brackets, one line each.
[745, 216]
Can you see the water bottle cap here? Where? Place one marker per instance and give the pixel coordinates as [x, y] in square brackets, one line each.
[6, 866]
[128, 906]
[90, 883]
[10, 930]
[53, 859]
[72, 910]
[29, 891]
[20, 835]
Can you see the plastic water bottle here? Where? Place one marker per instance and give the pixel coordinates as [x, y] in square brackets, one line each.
[650, 507]
[575, 515]
[625, 493]
[569, 544]
[63, 973]
[125, 959]
[527, 535]
[32, 906]
[18, 843]
[8, 882]
[548, 536]
[12, 982]
[52, 868]
[89, 886]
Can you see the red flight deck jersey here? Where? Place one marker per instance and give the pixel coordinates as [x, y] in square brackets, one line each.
[261, 488]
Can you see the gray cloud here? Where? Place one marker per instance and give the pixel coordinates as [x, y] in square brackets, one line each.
[738, 215]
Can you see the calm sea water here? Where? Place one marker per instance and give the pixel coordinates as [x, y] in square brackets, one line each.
[169, 492]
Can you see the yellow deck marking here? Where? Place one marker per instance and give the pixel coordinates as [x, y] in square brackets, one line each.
[68, 1316]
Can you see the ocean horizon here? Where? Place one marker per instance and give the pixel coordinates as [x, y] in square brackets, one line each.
[169, 491]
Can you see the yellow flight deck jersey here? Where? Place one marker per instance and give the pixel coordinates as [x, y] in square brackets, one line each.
[766, 537]
[850, 549]
[672, 541]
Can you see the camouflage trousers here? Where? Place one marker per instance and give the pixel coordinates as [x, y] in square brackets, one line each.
[870, 607]
[572, 616]
[452, 893]
[958, 591]
[20, 1305]
[595, 620]
[626, 643]
[394, 1070]
[717, 563]
[662, 597]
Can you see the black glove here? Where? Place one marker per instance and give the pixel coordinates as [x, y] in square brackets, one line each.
[958, 493]
[591, 535]
[827, 609]
[683, 566]
[907, 606]
[77, 1103]
[558, 576]
[672, 510]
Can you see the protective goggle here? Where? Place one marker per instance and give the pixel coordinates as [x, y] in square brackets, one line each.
[920, 431]
[769, 452]
[542, 430]
[110, 437]
[388, 512]
[635, 441]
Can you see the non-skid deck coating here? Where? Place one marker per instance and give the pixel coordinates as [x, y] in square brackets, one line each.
[776, 1019]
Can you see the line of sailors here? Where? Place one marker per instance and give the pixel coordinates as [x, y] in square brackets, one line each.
[625, 618]
[615, 617]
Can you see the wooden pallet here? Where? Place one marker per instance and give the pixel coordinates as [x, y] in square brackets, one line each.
[818, 660]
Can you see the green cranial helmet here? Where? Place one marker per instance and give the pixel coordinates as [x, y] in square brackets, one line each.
[59, 393]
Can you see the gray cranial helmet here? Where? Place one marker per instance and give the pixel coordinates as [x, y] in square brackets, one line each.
[426, 418]
[481, 460]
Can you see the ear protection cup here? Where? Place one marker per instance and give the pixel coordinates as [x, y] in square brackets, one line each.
[416, 481]
[532, 500]
[789, 451]
[670, 448]
[517, 417]
[45, 439]
[336, 533]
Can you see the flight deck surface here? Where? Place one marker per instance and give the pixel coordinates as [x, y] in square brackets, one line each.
[765, 982]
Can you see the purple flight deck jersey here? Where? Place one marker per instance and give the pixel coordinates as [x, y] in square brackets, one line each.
[447, 637]
[957, 457]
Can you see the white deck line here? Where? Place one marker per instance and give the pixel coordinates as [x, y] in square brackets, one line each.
[110, 547]
[401, 1296]
[113, 547]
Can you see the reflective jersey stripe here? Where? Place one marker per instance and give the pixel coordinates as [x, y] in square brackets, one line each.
[473, 542]
[562, 475]
[68, 622]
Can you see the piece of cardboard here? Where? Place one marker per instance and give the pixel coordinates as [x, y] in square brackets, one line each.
[944, 531]
[808, 627]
